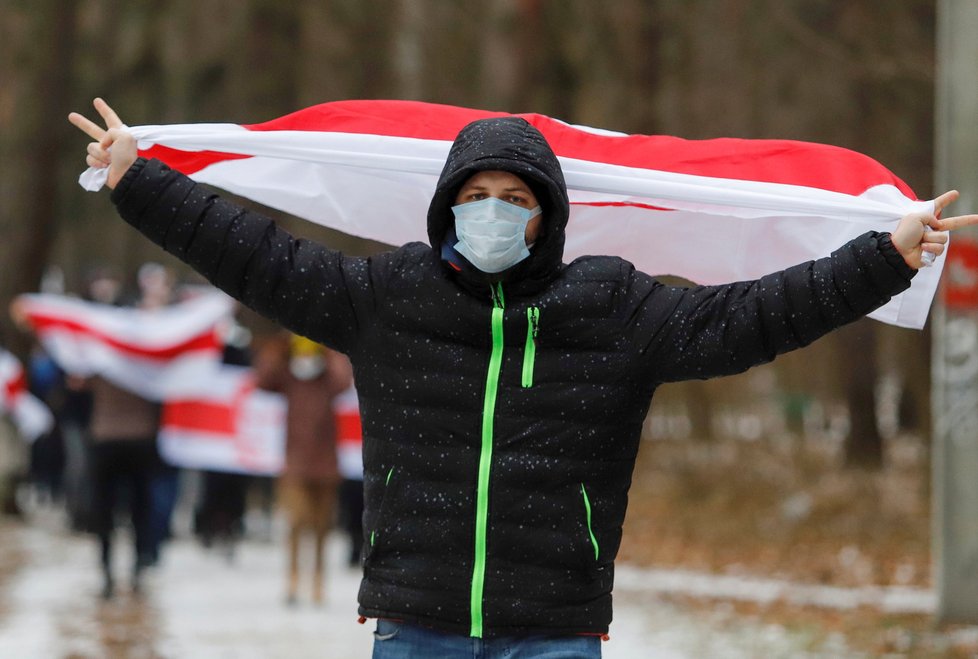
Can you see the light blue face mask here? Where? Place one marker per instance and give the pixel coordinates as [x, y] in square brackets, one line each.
[492, 233]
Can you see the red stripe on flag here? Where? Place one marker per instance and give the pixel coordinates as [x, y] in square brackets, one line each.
[206, 341]
[188, 162]
[348, 427]
[195, 415]
[16, 385]
[601, 204]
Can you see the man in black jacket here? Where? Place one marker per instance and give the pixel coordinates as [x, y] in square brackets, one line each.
[502, 391]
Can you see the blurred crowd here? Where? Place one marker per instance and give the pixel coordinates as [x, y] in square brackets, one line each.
[101, 465]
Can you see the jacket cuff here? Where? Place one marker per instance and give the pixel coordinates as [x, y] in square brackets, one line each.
[893, 257]
[126, 181]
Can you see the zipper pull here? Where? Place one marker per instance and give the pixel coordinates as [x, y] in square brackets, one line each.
[530, 349]
[496, 292]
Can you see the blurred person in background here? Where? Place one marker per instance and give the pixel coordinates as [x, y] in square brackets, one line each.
[14, 461]
[219, 515]
[156, 285]
[103, 285]
[310, 377]
[124, 466]
[121, 460]
[46, 381]
[503, 392]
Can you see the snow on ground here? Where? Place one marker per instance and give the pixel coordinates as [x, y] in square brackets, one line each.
[889, 599]
[198, 604]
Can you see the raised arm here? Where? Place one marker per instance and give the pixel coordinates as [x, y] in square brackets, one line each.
[706, 331]
[305, 287]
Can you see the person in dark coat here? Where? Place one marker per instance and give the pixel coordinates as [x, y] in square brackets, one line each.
[124, 463]
[219, 517]
[502, 391]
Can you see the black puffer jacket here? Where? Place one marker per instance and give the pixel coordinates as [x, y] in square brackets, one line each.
[501, 420]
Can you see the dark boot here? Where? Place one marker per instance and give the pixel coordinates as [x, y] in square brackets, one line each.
[136, 585]
[108, 586]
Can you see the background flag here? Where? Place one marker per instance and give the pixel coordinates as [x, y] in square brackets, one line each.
[227, 426]
[29, 414]
[153, 353]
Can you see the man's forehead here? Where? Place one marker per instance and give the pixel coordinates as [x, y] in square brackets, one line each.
[496, 177]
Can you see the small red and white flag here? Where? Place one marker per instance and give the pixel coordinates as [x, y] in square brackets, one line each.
[153, 353]
[227, 425]
[30, 415]
[349, 434]
[711, 211]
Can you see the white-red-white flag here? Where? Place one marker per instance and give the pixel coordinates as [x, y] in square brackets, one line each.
[29, 414]
[710, 211]
[155, 353]
[227, 425]
[349, 434]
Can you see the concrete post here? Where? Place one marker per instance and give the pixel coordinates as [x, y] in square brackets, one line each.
[955, 363]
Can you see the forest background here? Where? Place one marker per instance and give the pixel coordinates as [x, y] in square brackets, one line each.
[853, 74]
[857, 74]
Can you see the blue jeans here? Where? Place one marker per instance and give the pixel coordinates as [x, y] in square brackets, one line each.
[396, 640]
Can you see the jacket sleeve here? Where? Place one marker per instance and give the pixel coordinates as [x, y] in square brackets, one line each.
[305, 287]
[707, 331]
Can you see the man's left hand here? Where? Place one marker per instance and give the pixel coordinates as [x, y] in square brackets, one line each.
[923, 233]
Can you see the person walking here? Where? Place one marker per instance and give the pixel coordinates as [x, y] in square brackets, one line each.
[502, 391]
[310, 377]
[124, 464]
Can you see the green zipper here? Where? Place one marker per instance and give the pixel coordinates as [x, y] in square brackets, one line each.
[373, 534]
[587, 511]
[485, 461]
[530, 351]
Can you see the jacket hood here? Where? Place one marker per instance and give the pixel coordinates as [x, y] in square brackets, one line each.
[509, 144]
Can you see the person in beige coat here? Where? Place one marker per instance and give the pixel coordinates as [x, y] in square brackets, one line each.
[310, 376]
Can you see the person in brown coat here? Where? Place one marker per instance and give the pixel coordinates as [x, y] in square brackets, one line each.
[124, 457]
[309, 376]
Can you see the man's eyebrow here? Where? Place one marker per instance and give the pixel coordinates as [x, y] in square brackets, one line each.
[479, 186]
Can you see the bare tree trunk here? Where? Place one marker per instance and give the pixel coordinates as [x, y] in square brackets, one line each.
[37, 130]
[864, 445]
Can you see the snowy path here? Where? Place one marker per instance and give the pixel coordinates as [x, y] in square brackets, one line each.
[199, 605]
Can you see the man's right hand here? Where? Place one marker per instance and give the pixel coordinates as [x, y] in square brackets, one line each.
[114, 136]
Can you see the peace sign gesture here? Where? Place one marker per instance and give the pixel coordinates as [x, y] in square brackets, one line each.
[920, 237]
[114, 136]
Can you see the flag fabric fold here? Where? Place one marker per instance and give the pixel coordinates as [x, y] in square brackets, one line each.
[30, 415]
[710, 211]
